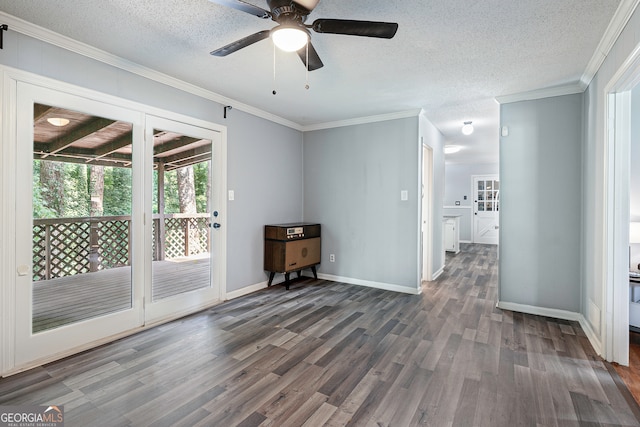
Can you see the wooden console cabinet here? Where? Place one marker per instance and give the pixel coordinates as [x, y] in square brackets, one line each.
[290, 248]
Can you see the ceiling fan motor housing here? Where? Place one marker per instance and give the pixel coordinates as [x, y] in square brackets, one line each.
[283, 11]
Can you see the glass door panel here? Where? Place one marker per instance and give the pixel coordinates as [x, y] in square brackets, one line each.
[186, 179]
[75, 233]
[181, 214]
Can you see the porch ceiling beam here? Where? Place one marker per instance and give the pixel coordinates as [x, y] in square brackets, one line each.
[40, 150]
[174, 144]
[113, 146]
[74, 135]
[205, 149]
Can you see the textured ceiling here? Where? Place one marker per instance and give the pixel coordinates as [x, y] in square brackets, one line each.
[449, 57]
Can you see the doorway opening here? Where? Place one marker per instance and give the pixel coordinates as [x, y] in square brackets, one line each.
[617, 188]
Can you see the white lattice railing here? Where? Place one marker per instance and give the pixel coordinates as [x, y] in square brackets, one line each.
[69, 246]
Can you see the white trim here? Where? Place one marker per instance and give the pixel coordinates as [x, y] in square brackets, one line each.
[539, 311]
[370, 284]
[616, 26]
[616, 168]
[253, 288]
[53, 38]
[556, 314]
[247, 290]
[541, 93]
[48, 36]
[618, 22]
[591, 335]
[457, 207]
[425, 215]
[11, 77]
[466, 241]
[363, 120]
[437, 273]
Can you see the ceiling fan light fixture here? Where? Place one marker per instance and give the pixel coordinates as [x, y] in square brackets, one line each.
[58, 121]
[289, 39]
[467, 129]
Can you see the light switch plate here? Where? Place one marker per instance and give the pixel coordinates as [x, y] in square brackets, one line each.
[404, 195]
[232, 195]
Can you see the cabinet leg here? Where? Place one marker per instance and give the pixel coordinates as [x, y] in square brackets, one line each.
[271, 276]
[315, 273]
[286, 280]
[299, 273]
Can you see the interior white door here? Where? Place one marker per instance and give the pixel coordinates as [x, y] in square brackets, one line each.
[186, 179]
[486, 209]
[75, 279]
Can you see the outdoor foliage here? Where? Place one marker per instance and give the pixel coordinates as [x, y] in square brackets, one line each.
[63, 190]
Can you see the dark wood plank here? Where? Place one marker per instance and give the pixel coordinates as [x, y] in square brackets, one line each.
[327, 353]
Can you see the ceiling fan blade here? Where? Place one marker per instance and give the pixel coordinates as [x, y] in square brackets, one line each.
[245, 7]
[242, 43]
[314, 59]
[384, 30]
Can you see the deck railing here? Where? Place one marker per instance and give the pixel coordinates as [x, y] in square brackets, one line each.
[69, 246]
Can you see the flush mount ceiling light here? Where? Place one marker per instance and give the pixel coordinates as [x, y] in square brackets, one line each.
[289, 39]
[450, 149]
[467, 129]
[58, 121]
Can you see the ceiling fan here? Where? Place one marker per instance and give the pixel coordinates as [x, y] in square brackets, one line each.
[293, 35]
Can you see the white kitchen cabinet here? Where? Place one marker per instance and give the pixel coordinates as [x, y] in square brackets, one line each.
[451, 231]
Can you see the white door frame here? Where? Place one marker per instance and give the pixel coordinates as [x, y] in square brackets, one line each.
[426, 220]
[8, 260]
[188, 302]
[615, 297]
[30, 347]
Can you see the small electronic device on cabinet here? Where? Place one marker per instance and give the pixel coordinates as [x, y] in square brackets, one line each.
[291, 248]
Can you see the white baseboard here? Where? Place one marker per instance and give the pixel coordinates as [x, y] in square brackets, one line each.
[465, 241]
[591, 335]
[377, 285]
[557, 314]
[371, 284]
[437, 273]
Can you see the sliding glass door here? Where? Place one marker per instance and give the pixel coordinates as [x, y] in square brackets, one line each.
[185, 175]
[77, 225]
[119, 221]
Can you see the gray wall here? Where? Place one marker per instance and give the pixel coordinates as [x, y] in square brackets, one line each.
[457, 184]
[353, 176]
[264, 159]
[540, 170]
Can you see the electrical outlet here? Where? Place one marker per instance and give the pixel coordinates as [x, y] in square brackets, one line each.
[332, 258]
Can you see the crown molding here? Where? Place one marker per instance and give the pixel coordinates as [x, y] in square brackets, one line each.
[614, 29]
[64, 42]
[363, 120]
[541, 93]
[616, 26]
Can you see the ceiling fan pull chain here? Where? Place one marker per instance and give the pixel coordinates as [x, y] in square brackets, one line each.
[274, 69]
[306, 86]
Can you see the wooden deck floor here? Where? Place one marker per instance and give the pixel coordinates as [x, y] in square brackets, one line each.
[71, 299]
[333, 354]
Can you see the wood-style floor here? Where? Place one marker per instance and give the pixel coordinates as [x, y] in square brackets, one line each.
[631, 374]
[334, 354]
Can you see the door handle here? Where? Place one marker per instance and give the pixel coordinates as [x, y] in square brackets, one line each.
[216, 225]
